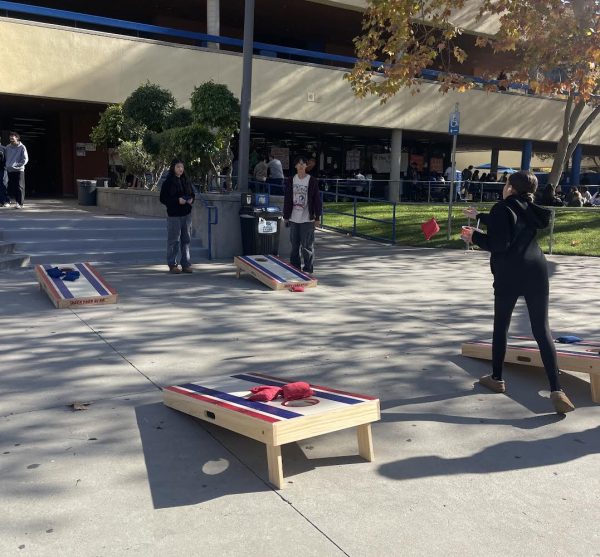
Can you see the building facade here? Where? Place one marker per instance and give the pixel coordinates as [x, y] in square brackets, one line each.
[66, 61]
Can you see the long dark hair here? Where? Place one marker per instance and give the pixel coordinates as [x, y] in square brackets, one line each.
[185, 182]
[524, 183]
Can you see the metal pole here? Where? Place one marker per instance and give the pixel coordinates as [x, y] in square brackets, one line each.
[244, 145]
[451, 194]
[551, 240]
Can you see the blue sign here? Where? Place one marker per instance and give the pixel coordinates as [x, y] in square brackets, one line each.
[454, 123]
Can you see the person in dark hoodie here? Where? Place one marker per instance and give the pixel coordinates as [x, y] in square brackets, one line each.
[520, 269]
[302, 212]
[178, 195]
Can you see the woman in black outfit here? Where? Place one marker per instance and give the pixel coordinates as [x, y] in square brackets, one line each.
[519, 268]
[177, 194]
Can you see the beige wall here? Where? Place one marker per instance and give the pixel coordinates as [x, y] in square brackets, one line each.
[65, 64]
[465, 18]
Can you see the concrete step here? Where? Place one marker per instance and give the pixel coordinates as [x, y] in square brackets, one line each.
[112, 256]
[108, 233]
[7, 247]
[91, 244]
[13, 261]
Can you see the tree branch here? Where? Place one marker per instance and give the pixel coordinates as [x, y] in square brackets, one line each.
[584, 126]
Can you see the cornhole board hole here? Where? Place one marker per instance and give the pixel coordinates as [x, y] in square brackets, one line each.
[582, 357]
[90, 289]
[272, 271]
[222, 401]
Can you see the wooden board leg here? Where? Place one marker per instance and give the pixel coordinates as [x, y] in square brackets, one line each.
[275, 465]
[595, 385]
[365, 442]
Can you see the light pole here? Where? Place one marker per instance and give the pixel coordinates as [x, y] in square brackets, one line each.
[453, 129]
[246, 98]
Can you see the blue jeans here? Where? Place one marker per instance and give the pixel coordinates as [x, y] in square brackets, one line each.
[179, 236]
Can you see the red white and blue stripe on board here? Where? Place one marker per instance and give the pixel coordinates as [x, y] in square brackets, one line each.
[271, 270]
[60, 289]
[262, 410]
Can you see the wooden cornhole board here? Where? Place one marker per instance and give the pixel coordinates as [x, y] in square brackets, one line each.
[272, 271]
[222, 401]
[583, 357]
[90, 289]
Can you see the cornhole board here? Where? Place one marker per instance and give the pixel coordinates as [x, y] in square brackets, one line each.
[90, 289]
[272, 271]
[582, 357]
[222, 401]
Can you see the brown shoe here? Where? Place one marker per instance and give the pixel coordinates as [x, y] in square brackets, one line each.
[187, 270]
[493, 384]
[561, 402]
[174, 269]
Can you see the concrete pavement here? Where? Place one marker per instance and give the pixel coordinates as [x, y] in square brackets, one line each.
[458, 471]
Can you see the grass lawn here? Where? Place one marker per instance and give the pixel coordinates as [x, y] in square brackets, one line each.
[576, 231]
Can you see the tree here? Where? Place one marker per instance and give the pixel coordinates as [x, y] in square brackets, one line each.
[555, 47]
[110, 130]
[150, 105]
[217, 108]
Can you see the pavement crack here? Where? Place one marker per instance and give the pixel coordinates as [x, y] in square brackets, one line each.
[275, 491]
[120, 354]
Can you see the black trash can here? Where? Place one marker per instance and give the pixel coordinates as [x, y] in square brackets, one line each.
[86, 192]
[261, 227]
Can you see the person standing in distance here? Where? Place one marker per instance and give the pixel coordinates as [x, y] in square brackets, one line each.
[302, 209]
[16, 159]
[3, 192]
[520, 269]
[275, 170]
[178, 195]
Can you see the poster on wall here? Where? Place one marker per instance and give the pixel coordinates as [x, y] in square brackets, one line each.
[113, 157]
[419, 160]
[404, 162]
[353, 160]
[283, 154]
[382, 163]
[436, 165]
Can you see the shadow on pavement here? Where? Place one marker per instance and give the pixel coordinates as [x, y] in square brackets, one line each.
[502, 457]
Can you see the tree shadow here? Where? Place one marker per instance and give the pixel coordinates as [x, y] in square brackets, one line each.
[189, 462]
[503, 457]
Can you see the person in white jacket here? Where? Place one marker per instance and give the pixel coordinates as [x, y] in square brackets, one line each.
[15, 160]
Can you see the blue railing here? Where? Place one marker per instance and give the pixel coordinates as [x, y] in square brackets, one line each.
[213, 211]
[358, 201]
[266, 48]
[167, 31]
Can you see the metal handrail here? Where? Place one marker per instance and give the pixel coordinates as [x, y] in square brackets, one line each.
[18, 7]
[211, 222]
[168, 31]
[355, 217]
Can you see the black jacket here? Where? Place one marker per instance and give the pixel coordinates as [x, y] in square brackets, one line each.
[172, 189]
[517, 262]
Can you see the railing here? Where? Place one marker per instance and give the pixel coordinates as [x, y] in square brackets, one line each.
[203, 38]
[265, 49]
[356, 216]
[559, 213]
[210, 208]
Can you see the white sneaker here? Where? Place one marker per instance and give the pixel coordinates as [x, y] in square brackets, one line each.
[18, 206]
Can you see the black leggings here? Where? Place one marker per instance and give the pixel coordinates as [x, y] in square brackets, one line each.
[537, 305]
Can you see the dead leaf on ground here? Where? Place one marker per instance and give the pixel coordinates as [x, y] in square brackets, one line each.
[79, 406]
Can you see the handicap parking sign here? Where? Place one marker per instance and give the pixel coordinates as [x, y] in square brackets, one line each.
[454, 123]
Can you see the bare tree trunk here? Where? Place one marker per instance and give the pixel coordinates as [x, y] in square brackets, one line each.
[569, 140]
